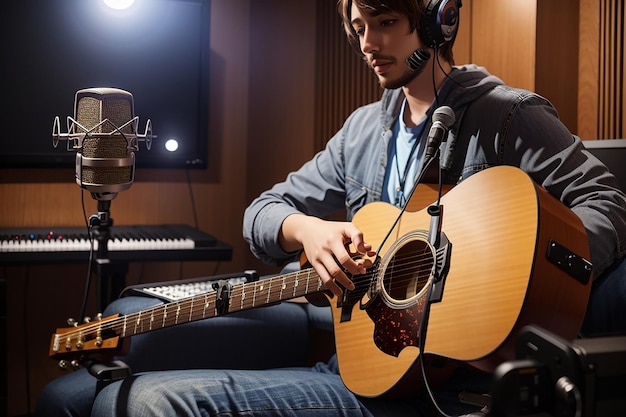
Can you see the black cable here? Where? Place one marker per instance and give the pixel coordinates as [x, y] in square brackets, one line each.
[82, 202]
[436, 58]
[423, 327]
[193, 201]
[447, 74]
[426, 314]
[422, 343]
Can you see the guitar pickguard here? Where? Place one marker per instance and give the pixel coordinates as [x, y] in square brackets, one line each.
[397, 309]
[395, 328]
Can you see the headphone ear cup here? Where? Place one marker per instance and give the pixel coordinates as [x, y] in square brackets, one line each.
[439, 23]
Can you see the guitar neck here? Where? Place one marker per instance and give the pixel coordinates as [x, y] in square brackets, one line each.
[223, 301]
[104, 333]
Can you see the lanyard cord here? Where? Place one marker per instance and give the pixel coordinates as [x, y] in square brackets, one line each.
[399, 198]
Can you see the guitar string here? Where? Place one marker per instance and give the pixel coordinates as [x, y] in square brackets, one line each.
[176, 309]
[170, 312]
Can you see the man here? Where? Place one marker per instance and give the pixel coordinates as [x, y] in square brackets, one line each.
[496, 125]
[376, 156]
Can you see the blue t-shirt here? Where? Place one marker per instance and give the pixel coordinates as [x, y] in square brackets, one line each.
[404, 149]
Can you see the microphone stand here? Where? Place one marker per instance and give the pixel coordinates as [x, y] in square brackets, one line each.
[107, 281]
[105, 372]
[101, 228]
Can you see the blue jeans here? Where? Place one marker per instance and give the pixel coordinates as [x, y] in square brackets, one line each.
[247, 363]
[606, 310]
[250, 364]
[295, 392]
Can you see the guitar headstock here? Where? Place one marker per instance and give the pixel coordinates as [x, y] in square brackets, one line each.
[98, 336]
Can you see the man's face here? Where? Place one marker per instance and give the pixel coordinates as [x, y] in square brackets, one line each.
[386, 42]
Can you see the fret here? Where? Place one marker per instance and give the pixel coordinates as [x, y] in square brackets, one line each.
[258, 292]
[164, 315]
[206, 305]
[215, 312]
[138, 322]
[230, 303]
[269, 291]
[304, 274]
[177, 313]
[124, 327]
[243, 295]
[239, 292]
[282, 287]
[191, 309]
[308, 280]
[295, 285]
[309, 277]
[254, 293]
[263, 289]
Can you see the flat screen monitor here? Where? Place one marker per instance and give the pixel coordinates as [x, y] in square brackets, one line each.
[612, 152]
[158, 50]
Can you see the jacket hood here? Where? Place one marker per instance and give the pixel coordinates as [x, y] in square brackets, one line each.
[463, 86]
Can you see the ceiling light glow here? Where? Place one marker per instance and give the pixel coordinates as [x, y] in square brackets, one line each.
[119, 4]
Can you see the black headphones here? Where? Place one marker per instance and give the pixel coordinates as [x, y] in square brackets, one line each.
[440, 22]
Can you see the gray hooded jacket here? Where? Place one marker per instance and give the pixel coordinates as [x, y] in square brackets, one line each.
[495, 125]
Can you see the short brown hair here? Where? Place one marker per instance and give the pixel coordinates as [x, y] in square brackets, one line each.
[412, 9]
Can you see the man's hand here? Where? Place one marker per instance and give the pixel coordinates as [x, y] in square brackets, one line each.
[326, 245]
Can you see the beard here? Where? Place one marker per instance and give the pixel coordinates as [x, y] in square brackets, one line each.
[405, 78]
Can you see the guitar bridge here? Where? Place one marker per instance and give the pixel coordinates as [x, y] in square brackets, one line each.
[441, 269]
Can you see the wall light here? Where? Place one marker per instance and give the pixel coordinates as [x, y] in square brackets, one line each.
[171, 145]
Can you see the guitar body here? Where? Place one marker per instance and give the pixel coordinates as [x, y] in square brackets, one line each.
[498, 226]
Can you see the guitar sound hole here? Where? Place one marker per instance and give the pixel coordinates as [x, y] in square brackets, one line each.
[409, 270]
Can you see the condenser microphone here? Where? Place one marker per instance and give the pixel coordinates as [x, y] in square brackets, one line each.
[443, 119]
[418, 59]
[104, 135]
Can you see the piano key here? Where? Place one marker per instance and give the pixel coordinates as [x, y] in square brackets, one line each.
[173, 242]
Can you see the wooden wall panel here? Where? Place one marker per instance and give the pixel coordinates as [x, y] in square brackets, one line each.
[503, 39]
[611, 71]
[463, 42]
[588, 69]
[343, 80]
[556, 57]
[602, 69]
[281, 108]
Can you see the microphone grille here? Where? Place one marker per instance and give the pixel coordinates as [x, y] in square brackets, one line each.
[92, 107]
[445, 115]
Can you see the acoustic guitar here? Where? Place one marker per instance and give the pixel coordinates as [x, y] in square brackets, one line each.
[458, 285]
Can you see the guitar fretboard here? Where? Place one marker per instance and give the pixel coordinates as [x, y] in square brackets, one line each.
[227, 299]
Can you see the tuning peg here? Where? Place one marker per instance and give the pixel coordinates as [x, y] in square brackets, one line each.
[87, 319]
[72, 322]
[63, 364]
